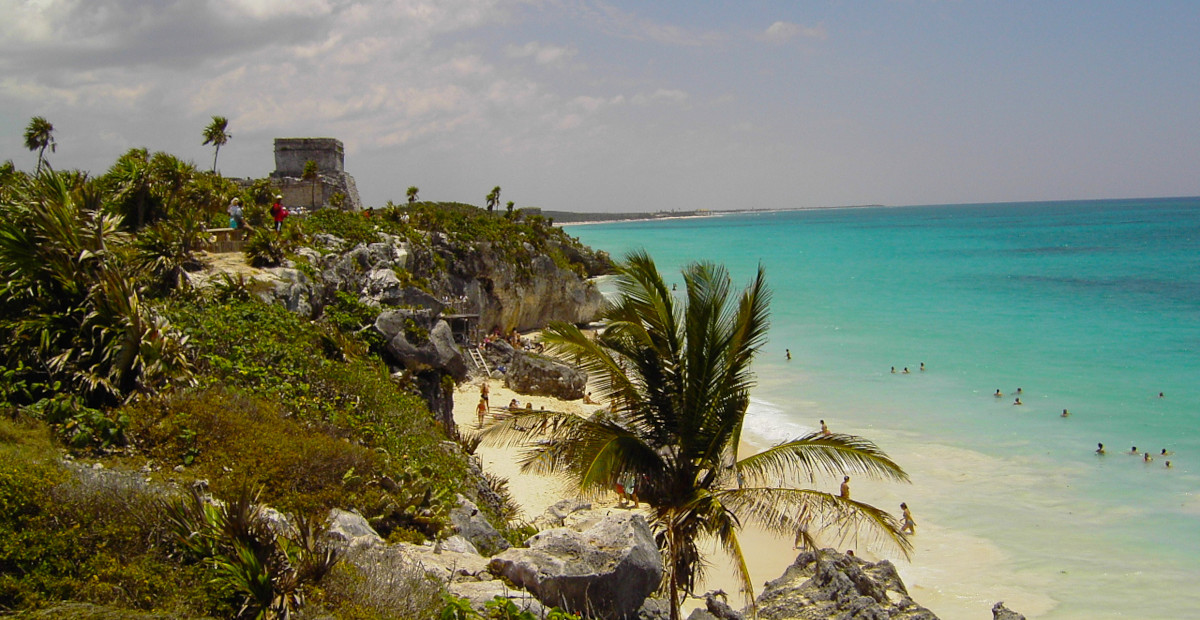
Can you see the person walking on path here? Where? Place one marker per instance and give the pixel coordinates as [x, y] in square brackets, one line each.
[910, 526]
[236, 217]
[481, 409]
[278, 212]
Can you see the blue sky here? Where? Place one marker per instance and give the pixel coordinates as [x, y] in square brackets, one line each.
[622, 106]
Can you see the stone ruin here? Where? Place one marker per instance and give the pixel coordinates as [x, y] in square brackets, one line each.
[291, 154]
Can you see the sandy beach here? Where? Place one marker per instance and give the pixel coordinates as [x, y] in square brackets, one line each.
[950, 572]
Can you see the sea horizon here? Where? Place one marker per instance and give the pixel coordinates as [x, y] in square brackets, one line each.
[1092, 306]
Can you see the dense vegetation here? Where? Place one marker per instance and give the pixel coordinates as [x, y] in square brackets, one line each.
[125, 393]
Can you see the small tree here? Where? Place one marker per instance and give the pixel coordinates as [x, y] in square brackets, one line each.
[216, 135]
[39, 135]
[311, 174]
[412, 194]
[510, 206]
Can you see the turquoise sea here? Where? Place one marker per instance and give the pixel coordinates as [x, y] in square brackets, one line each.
[1089, 306]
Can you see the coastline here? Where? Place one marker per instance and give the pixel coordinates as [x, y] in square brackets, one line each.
[954, 574]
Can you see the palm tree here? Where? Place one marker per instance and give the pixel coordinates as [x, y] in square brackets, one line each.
[412, 194]
[493, 198]
[678, 380]
[311, 174]
[216, 135]
[39, 135]
[510, 206]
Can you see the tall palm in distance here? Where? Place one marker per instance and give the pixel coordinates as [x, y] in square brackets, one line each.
[216, 135]
[39, 134]
[678, 378]
[493, 198]
[312, 175]
[412, 194]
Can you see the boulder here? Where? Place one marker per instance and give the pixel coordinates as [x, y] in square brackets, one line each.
[437, 352]
[828, 584]
[606, 571]
[350, 530]
[1000, 612]
[470, 524]
[480, 593]
[556, 515]
[536, 374]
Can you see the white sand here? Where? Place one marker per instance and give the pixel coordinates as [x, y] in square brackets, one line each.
[947, 573]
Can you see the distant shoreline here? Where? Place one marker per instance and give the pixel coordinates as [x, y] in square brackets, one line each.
[564, 218]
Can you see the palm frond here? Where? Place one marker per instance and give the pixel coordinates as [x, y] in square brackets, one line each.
[831, 455]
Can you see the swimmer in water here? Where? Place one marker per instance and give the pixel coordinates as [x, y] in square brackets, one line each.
[789, 354]
[906, 370]
[1065, 413]
[1100, 448]
[1133, 451]
[922, 366]
[1168, 465]
[893, 370]
[998, 393]
[1165, 452]
[1018, 390]
[1147, 458]
[1018, 401]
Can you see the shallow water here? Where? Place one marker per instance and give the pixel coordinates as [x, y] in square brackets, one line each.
[1090, 306]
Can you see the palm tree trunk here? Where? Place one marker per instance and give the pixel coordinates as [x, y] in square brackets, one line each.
[216, 152]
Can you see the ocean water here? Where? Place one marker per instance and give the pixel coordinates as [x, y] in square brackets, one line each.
[1089, 306]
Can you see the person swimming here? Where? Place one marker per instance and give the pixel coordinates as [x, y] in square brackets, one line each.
[1018, 390]
[906, 370]
[789, 353]
[893, 370]
[1168, 465]
[1018, 401]
[922, 366]
[1165, 452]
[1147, 458]
[1133, 451]
[1065, 413]
[1100, 448]
[998, 393]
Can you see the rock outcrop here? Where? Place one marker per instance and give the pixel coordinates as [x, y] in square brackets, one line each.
[828, 584]
[529, 373]
[471, 525]
[604, 571]
[1000, 612]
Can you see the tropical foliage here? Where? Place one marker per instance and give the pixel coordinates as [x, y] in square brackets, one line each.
[677, 375]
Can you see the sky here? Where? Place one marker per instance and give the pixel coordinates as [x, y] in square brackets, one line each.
[583, 105]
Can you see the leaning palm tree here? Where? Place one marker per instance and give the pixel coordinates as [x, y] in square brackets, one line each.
[493, 198]
[216, 135]
[412, 194]
[39, 135]
[677, 375]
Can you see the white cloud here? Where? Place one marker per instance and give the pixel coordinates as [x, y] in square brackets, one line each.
[662, 95]
[623, 24]
[542, 54]
[781, 32]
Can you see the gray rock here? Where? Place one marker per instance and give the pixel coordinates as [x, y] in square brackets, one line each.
[350, 530]
[480, 593]
[606, 571]
[293, 290]
[536, 374]
[1000, 612]
[438, 352]
[470, 524]
[458, 544]
[555, 515]
[828, 584]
